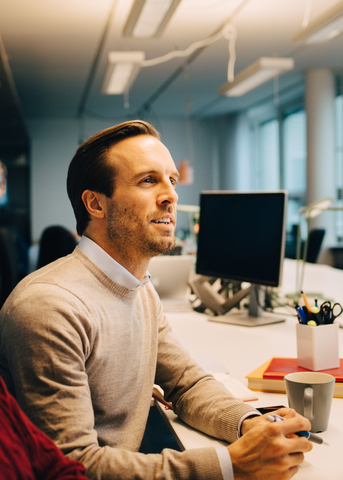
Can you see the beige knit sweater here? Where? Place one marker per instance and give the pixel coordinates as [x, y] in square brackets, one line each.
[81, 354]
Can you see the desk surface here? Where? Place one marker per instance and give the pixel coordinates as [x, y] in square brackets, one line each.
[242, 349]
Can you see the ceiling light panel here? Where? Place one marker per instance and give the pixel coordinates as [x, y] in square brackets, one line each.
[255, 75]
[122, 69]
[148, 18]
[323, 28]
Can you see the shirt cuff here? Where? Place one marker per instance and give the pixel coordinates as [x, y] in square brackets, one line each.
[225, 463]
[245, 416]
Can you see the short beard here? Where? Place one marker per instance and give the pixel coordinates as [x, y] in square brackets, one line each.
[121, 234]
[155, 248]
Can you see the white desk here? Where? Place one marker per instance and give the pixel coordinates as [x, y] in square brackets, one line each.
[242, 349]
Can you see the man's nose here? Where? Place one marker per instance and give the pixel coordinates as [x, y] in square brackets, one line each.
[167, 193]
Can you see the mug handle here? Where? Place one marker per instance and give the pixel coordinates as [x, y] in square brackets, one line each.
[308, 403]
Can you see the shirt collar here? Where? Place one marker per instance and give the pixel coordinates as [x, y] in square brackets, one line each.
[109, 266]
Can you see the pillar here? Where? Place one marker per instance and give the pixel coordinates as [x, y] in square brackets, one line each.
[320, 113]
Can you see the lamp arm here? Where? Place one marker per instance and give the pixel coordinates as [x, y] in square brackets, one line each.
[309, 211]
[298, 253]
[304, 260]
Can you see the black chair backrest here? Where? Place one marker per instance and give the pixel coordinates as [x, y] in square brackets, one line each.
[56, 241]
[315, 240]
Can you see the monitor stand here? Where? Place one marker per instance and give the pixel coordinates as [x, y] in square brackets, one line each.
[242, 318]
[225, 309]
[254, 317]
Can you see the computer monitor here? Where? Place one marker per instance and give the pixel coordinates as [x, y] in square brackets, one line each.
[241, 238]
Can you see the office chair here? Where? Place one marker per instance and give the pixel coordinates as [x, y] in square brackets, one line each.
[55, 242]
[291, 243]
[315, 240]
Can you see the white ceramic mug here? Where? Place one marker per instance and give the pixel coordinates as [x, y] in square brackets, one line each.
[310, 394]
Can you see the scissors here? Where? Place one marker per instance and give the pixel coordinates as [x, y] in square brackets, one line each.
[330, 313]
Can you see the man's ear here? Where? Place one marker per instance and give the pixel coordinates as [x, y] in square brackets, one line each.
[95, 203]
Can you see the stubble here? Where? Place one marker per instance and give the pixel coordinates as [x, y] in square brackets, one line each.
[129, 236]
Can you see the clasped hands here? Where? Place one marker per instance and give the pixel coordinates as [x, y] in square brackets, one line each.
[270, 451]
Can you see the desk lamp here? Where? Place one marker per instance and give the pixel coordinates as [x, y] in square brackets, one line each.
[308, 212]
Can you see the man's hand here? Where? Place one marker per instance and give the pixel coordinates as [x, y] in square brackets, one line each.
[270, 451]
[250, 422]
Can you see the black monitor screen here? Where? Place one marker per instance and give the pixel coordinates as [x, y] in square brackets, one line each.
[242, 236]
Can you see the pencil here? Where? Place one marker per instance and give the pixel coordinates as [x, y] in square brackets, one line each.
[306, 301]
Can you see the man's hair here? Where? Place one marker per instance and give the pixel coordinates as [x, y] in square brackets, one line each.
[90, 168]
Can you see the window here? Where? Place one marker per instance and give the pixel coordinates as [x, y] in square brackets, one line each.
[278, 154]
[276, 168]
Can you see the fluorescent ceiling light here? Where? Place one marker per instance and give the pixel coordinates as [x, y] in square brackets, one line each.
[323, 28]
[148, 18]
[259, 72]
[122, 69]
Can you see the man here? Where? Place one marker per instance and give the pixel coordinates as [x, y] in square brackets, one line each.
[84, 339]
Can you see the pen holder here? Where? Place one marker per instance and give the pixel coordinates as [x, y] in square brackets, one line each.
[317, 347]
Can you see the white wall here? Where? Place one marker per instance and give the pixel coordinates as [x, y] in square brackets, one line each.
[54, 142]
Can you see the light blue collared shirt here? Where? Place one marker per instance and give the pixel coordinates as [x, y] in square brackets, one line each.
[108, 265]
[124, 278]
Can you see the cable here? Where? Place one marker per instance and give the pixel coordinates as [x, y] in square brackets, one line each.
[146, 105]
[271, 309]
[228, 32]
[232, 52]
[307, 14]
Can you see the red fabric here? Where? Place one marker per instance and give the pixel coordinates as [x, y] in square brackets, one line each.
[26, 453]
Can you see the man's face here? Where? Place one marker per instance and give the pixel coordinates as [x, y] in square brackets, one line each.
[141, 215]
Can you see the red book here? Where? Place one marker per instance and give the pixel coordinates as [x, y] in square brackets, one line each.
[280, 366]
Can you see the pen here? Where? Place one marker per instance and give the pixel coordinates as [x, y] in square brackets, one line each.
[301, 313]
[308, 314]
[156, 394]
[310, 436]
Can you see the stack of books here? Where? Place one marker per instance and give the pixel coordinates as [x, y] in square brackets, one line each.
[269, 377]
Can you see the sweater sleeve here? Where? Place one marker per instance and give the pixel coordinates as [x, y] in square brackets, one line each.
[198, 399]
[44, 355]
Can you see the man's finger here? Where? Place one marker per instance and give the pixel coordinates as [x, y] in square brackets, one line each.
[292, 425]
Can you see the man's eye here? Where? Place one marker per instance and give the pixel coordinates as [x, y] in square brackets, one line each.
[173, 182]
[148, 180]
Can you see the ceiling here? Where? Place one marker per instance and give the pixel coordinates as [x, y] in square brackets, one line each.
[57, 52]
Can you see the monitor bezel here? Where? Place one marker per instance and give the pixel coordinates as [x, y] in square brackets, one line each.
[211, 273]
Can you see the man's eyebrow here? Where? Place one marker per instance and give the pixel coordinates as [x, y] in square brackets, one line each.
[138, 175]
[176, 174]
